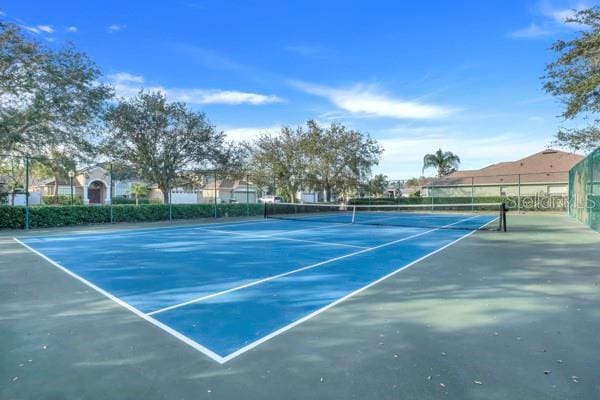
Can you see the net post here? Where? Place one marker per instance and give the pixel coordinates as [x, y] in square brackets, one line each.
[265, 210]
[353, 213]
[502, 226]
[26, 192]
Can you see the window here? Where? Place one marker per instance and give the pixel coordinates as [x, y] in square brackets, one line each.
[503, 191]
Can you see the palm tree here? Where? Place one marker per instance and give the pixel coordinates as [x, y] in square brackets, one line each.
[443, 161]
[139, 190]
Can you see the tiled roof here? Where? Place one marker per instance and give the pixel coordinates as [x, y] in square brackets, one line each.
[545, 166]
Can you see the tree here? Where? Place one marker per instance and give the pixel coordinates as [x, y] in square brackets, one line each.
[378, 185]
[333, 159]
[444, 162]
[56, 165]
[139, 190]
[161, 140]
[574, 77]
[280, 157]
[338, 158]
[416, 182]
[50, 101]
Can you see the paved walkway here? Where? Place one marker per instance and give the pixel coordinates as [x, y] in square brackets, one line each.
[496, 316]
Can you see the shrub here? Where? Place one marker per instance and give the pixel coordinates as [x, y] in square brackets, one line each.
[64, 200]
[12, 217]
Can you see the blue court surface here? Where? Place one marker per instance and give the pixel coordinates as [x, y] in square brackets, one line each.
[225, 288]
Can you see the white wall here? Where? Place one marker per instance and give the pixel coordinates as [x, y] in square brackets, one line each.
[184, 198]
[35, 199]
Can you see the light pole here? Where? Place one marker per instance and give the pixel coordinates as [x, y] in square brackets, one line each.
[71, 175]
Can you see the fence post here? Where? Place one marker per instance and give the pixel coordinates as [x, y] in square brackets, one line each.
[170, 204]
[247, 197]
[215, 196]
[26, 192]
[519, 193]
[472, 193]
[590, 192]
[112, 217]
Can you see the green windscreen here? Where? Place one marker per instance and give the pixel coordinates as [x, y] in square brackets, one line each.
[584, 190]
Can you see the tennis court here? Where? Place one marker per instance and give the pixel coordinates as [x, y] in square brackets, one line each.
[225, 288]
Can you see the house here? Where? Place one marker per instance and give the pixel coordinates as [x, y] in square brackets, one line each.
[229, 191]
[92, 184]
[543, 173]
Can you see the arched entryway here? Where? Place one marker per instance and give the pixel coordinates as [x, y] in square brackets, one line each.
[96, 192]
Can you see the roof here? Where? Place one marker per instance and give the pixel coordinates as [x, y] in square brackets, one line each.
[61, 182]
[542, 167]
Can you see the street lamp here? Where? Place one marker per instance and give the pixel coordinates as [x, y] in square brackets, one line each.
[71, 175]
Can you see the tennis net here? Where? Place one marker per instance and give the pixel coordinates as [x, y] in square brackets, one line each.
[482, 216]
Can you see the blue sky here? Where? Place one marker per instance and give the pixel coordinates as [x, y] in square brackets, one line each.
[417, 76]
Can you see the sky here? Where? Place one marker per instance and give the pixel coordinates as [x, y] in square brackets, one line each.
[463, 76]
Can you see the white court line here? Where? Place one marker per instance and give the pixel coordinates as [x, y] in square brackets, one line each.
[209, 352]
[280, 238]
[346, 297]
[133, 231]
[432, 218]
[270, 278]
[134, 310]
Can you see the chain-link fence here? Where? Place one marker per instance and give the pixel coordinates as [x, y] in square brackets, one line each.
[584, 190]
[44, 192]
[520, 192]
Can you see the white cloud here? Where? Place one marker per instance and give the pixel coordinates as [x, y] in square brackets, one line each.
[126, 77]
[560, 16]
[32, 29]
[403, 156]
[217, 96]
[72, 29]
[532, 31]
[115, 28]
[369, 101]
[551, 21]
[45, 28]
[128, 85]
[38, 29]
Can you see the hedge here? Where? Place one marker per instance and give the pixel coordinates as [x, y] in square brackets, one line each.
[426, 200]
[11, 217]
[55, 216]
[125, 200]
